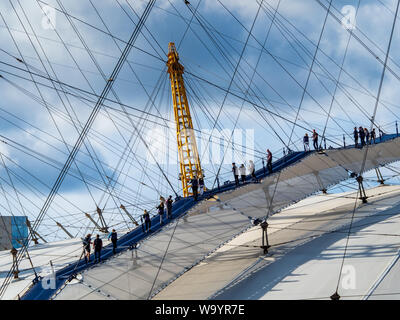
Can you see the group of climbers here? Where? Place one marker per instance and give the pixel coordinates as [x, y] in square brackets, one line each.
[164, 206]
[306, 141]
[197, 185]
[359, 133]
[98, 245]
[241, 171]
[365, 136]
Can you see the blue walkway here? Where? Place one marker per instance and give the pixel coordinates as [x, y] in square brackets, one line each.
[180, 208]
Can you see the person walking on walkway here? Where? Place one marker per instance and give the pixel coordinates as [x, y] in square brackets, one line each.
[114, 238]
[169, 207]
[355, 133]
[235, 172]
[361, 133]
[381, 134]
[252, 170]
[269, 161]
[147, 221]
[373, 135]
[162, 199]
[86, 247]
[242, 170]
[195, 187]
[160, 208]
[97, 246]
[306, 142]
[315, 139]
[201, 185]
[366, 132]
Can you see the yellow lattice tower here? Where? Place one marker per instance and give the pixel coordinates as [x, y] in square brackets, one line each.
[189, 159]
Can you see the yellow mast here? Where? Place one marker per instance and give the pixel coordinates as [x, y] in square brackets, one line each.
[189, 159]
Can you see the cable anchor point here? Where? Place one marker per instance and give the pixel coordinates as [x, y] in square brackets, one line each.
[265, 245]
[335, 296]
[363, 195]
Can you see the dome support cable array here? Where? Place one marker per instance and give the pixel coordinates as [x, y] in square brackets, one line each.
[83, 134]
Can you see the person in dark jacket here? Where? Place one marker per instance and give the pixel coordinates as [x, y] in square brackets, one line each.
[355, 133]
[162, 199]
[195, 187]
[366, 132]
[315, 139]
[269, 161]
[235, 172]
[169, 207]
[373, 135]
[114, 238]
[97, 246]
[86, 247]
[147, 221]
[361, 134]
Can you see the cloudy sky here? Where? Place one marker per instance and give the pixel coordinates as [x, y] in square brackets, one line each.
[66, 57]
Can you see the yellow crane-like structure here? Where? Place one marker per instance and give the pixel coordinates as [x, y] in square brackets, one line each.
[189, 159]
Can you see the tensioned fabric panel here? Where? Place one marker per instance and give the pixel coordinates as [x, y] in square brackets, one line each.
[139, 274]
